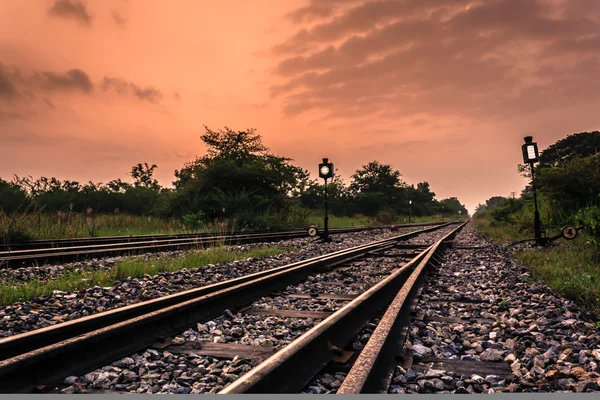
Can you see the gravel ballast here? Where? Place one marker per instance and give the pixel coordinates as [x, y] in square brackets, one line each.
[159, 371]
[546, 341]
[66, 306]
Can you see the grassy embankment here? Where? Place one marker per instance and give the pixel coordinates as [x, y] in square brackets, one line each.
[571, 268]
[135, 267]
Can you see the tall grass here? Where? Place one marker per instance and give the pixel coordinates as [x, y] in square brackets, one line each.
[569, 269]
[59, 225]
[65, 225]
[135, 267]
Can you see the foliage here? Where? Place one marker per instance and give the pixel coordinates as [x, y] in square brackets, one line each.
[506, 210]
[375, 177]
[12, 197]
[452, 206]
[237, 182]
[568, 190]
[238, 173]
[572, 185]
[387, 216]
[578, 145]
[570, 269]
[142, 176]
[589, 218]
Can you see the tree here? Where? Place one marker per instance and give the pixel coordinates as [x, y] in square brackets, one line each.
[237, 169]
[572, 184]
[12, 197]
[480, 209]
[452, 206]
[238, 146]
[495, 201]
[578, 145]
[142, 176]
[375, 177]
[423, 200]
[375, 187]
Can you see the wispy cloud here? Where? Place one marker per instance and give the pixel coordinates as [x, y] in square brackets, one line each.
[474, 59]
[124, 88]
[73, 79]
[73, 9]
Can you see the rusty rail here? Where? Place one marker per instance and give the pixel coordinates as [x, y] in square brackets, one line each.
[290, 369]
[40, 252]
[46, 356]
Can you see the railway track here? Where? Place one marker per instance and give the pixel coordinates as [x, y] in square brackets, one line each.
[40, 252]
[384, 309]
[40, 359]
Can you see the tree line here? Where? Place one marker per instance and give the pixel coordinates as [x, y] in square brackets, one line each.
[238, 178]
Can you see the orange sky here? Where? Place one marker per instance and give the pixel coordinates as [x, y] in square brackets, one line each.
[444, 90]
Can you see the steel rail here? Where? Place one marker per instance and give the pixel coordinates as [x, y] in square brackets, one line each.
[291, 368]
[67, 253]
[373, 370]
[52, 243]
[11, 345]
[47, 356]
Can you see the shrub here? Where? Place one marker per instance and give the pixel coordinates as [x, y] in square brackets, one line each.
[589, 218]
[193, 220]
[387, 216]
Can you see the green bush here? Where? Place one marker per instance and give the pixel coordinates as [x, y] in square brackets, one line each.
[12, 197]
[589, 218]
[504, 212]
[194, 220]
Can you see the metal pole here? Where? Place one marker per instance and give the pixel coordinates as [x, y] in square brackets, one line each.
[409, 212]
[537, 225]
[326, 231]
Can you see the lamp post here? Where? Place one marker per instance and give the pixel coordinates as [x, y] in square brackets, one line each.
[409, 210]
[459, 213]
[326, 172]
[530, 156]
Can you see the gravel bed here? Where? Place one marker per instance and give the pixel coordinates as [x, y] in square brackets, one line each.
[432, 237]
[548, 343]
[159, 371]
[53, 271]
[317, 304]
[65, 306]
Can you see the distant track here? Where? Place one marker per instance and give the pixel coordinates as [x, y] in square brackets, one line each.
[67, 250]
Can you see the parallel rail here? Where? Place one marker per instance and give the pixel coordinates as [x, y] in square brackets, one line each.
[44, 357]
[291, 368]
[97, 247]
[94, 240]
